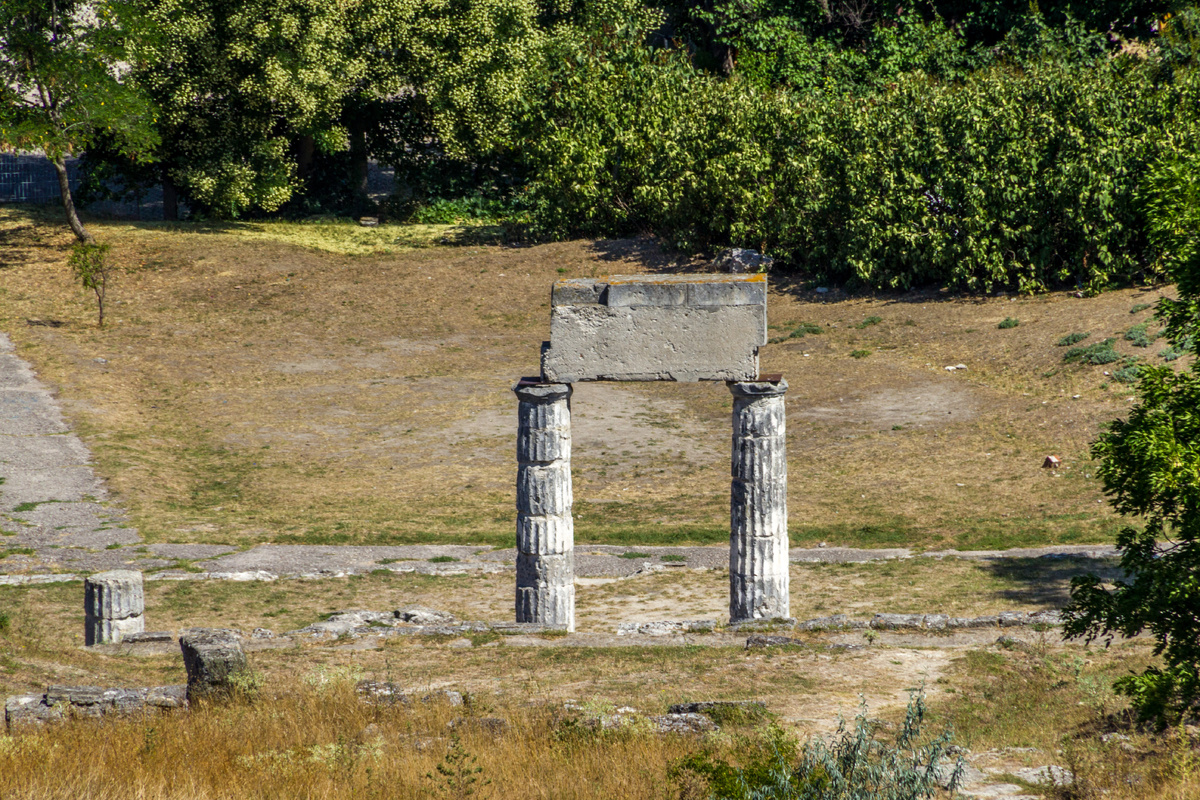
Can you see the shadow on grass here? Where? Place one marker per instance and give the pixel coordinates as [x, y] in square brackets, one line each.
[1047, 581]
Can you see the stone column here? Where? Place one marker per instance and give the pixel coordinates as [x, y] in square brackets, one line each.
[113, 604]
[758, 537]
[545, 530]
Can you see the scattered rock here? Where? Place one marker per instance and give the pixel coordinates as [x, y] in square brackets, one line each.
[956, 367]
[1051, 462]
[262, 633]
[369, 222]
[213, 658]
[968, 776]
[738, 259]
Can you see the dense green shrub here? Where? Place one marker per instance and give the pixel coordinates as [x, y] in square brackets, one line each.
[1022, 174]
[1150, 465]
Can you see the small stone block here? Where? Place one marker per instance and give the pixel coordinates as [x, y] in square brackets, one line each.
[167, 696]
[656, 327]
[30, 710]
[213, 657]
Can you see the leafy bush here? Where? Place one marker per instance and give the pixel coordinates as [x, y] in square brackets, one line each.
[884, 188]
[1072, 338]
[853, 765]
[1149, 464]
[1008, 322]
[1138, 335]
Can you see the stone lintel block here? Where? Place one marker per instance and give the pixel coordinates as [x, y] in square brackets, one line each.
[544, 489]
[656, 327]
[546, 570]
[213, 657]
[545, 535]
[100, 630]
[116, 594]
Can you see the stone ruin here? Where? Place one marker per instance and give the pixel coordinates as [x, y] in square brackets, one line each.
[653, 328]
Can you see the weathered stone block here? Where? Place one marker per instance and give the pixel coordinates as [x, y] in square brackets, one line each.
[116, 594]
[545, 535]
[30, 710]
[544, 489]
[656, 327]
[167, 696]
[213, 658]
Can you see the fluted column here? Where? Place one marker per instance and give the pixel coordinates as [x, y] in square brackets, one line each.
[545, 530]
[758, 537]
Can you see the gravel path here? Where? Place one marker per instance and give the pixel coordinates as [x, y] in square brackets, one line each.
[59, 524]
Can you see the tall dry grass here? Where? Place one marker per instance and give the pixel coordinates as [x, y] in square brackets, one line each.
[309, 742]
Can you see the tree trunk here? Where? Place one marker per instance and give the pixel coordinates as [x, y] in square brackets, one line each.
[170, 198]
[358, 165]
[64, 186]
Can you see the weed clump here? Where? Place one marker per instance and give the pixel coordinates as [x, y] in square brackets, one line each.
[1009, 322]
[868, 322]
[1138, 335]
[1098, 353]
[801, 330]
[1072, 338]
[860, 354]
[853, 764]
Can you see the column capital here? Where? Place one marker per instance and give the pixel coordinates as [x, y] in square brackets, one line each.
[533, 390]
[757, 389]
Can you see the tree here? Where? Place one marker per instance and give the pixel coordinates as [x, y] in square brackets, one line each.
[1150, 466]
[62, 69]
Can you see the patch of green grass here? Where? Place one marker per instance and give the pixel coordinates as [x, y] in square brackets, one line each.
[868, 322]
[17, 551]
[672, 557]
[860, 353]
[633, 554]
[30, 506]
[1138, 335]
[5, 622]
[1098, 353]
[801, 330]
[1071, 338]
[442, 559]
[1140, 307]
[1009, 322]
[113, 546]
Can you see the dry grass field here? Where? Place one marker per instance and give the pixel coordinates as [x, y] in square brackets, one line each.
[325, 383]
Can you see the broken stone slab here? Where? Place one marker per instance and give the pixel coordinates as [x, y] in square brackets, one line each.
[149, 637]
[656, 327]
[778, 623]
[516, 628]
[213, 658]
[388, 692]
[889, 622]
[667, 627]
[420, 615]
[767, 640]
[29, 711]
[1048, 776]
[167, 696]
[831, 623]
[682, 723]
